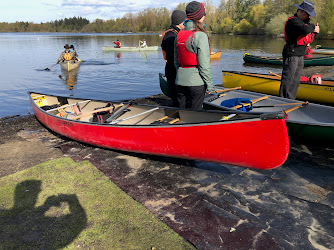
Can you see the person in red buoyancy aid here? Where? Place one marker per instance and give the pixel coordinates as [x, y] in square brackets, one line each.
[117, 44]
[308, 52]
[298, 33]
[192, 59]
[167, 46]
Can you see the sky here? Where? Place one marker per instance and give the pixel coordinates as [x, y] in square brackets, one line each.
[38, 11]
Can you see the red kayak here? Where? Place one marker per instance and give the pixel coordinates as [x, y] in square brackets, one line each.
[234, 138]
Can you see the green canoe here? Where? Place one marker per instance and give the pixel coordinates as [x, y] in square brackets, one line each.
[315, 61]
[163, 85]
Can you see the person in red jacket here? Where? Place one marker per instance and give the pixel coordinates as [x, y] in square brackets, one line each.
[298, 33]
[117, 43]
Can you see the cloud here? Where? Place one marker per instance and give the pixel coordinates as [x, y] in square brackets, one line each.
[105, 9]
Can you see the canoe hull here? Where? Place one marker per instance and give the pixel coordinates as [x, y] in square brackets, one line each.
[163, 85]
[217, 142]
[315, 61]
[268, 84]
[69, 65]
[111, 48]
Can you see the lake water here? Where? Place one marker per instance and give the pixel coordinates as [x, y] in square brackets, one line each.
[105, 75]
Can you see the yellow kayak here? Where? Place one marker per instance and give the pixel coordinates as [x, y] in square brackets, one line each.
[270, 84]
[215, 55]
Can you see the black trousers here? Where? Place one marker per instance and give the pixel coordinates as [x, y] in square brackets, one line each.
[191, 97]
[172, 91]
[291, 73]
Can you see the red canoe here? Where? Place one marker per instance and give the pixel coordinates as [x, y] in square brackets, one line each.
[248, 140]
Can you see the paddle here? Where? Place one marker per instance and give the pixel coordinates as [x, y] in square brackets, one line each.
[69, 105]
[97, 110]
[118, 113]
[281, 104]
[274, 74]
[165, 117]
[227, 117]
[216, 96]
[226, 90]
[130, 117]
[50, 67]
[252, 102]
[294, 108]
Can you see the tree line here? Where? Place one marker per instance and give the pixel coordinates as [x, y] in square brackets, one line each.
[246, 17]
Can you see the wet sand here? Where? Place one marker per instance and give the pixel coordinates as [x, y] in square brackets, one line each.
[211, 205]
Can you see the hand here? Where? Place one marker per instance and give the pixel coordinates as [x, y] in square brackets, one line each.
[208, 92]
[316, 29]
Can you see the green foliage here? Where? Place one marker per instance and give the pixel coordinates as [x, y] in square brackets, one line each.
[276, 25]
[257, 17]
[226, 25]
[242, 28]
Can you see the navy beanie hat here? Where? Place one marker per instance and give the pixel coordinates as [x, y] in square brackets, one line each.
[178, 16]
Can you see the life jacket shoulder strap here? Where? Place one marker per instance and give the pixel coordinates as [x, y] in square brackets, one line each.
[172, 30]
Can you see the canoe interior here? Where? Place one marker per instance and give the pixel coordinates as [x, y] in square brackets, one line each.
[312, 114]
[135, 111]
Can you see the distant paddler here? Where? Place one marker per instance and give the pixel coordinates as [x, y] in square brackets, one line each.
[117, 43]
[68, 54]
[142, 44]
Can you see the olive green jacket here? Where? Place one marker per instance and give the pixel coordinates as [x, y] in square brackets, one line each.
[201, 75]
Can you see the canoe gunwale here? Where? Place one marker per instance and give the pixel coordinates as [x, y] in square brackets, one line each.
[154, 125]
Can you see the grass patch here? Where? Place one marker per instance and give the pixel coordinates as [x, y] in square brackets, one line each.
[61, 203]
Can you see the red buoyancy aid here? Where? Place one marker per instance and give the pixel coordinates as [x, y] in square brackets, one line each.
[303, 39]
[118, 44]
[315, 79]
[308, 52]
[186, 55]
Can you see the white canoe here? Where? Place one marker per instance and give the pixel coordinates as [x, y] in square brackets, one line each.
[323, 51]
[69, 65]
[112, 48]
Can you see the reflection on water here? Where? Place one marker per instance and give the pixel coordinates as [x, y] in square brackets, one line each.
[70, 78]
[107, 76]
